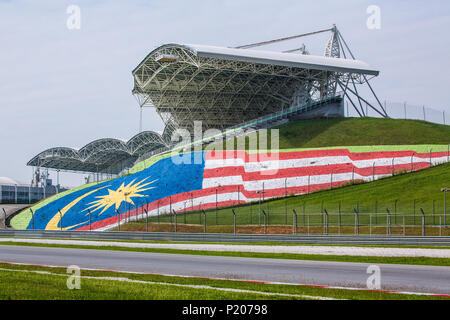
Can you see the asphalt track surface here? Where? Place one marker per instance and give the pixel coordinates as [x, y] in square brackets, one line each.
[424, 279]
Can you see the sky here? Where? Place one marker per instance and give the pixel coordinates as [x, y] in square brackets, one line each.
[68, 87]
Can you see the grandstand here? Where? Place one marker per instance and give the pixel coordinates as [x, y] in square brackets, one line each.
[110, 156]
[226, 89]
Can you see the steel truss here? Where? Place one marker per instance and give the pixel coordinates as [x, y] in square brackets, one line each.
[100, 156]
[225, 92]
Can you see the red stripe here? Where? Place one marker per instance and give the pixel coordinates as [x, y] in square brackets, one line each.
[258, 157]
[308, 171]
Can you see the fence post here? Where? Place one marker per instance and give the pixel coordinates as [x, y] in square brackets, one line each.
[204, 221]
[60, 221]
[395, 212]
[370, 224]
[308, 224]
[339, 218]
[285, 201]
[376, 211]
[234, 221]
[356, 222]
[118, 219]
[5, 216]
[251, 213]
[389, 230]
[90, 229]
[404, 226]
[175, 219]
[216, 206]
[445, 208]
[423, 222]
[304, 213]
[265, 221]
[434, 212]
[294, 222]
[146, 220]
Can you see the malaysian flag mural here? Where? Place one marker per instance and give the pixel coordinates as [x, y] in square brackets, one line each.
[225, 178]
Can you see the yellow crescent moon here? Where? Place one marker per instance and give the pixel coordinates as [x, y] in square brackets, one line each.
[53, 223]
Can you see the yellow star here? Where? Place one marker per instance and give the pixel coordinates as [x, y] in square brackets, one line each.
[124, 193]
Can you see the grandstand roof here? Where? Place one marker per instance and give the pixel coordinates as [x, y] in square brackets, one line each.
[223, 87]
[278, 58]
[7, 181]
[103, 155]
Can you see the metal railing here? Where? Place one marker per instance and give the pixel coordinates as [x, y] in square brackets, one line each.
[240, 238]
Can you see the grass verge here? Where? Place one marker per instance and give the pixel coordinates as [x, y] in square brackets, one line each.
[49, 283]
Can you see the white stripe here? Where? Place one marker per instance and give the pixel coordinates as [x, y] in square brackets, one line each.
[314, 162]
[278, 183]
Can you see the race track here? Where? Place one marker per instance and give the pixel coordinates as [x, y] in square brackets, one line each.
[427, 279]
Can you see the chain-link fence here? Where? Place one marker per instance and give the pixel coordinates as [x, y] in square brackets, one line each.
[402, 110]
[399, 217]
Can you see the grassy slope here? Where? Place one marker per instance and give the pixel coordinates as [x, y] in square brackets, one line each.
[353, 133]
[361, 132]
